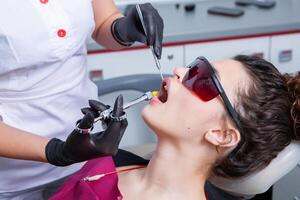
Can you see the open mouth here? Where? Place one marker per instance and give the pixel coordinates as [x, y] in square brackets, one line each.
[163, 92]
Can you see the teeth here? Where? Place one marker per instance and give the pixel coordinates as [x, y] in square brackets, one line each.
[165, 87]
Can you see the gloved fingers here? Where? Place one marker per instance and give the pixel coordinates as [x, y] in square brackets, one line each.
[133, 28]
[159, 36]
[141, 37]
[149, 22]
[112, 136]
[109, 140]
[85, 110]
[90, 110]
[118, 107]
[157, 44]
[140, 34]
[98, 106]
[87, 121]
[154, 26]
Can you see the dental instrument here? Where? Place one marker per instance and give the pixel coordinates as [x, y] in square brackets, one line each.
[157, 63]
[145, 97]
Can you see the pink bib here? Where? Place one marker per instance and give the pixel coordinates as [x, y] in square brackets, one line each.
[105, 188]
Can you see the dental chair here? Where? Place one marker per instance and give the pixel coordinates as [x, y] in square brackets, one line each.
[138, 140]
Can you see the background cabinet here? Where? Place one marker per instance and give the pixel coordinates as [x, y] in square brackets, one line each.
[228, 48]
[135, 62]
[285, 52]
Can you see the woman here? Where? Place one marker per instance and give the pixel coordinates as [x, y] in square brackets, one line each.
[230, 118]
[44, 82]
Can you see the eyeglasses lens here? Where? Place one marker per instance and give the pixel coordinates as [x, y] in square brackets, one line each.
[198, 79]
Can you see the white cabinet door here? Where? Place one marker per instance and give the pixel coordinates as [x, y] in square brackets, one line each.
[171, 57]
[285, 52]
[228, 49]
[130, 62]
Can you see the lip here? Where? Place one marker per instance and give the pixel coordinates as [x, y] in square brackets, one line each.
[155, 100]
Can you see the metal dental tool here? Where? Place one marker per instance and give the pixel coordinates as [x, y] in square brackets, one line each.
[157, 63]
[145, 97]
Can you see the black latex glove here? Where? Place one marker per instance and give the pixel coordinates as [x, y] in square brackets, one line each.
[84, 146]
[129, 29]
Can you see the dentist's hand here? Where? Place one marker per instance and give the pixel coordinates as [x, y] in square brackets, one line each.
[81, 145]
[129, 29]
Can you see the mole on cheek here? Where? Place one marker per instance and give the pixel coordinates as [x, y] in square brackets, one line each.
[189, 129]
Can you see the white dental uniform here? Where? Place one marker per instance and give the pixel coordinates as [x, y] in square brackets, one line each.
[43, 78]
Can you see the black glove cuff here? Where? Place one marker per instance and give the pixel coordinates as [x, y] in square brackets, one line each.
[54, 153]
[116, 34]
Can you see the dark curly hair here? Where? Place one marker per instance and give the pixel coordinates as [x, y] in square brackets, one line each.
[269, 113]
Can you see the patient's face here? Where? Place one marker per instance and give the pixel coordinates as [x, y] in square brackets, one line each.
[183, 114]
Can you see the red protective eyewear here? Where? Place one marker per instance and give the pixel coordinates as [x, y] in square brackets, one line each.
[201, 79]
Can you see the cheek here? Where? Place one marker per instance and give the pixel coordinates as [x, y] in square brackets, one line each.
[182, 114]
[199, 116]
[165, 119]
[185, 113]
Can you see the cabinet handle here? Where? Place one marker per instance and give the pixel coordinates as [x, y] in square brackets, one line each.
[285, 55]
[96, 75]
[170, 56]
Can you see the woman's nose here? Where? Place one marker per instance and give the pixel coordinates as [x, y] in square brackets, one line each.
[179, 72]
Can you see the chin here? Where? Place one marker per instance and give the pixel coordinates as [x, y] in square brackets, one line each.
[151, 118]
[158, 124]
[147, 115]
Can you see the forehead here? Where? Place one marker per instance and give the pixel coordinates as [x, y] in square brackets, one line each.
[232, 75]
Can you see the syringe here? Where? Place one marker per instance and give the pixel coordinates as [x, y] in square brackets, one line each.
[145, 97]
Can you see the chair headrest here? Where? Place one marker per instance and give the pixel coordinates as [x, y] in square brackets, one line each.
[261, 181]
[257, 182]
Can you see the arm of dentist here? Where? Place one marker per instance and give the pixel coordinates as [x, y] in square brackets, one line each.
[19, 144]
[79, 146]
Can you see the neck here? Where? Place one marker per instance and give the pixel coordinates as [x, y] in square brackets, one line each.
[176, 172]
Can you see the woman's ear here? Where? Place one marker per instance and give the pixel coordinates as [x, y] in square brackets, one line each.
[223, 138]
